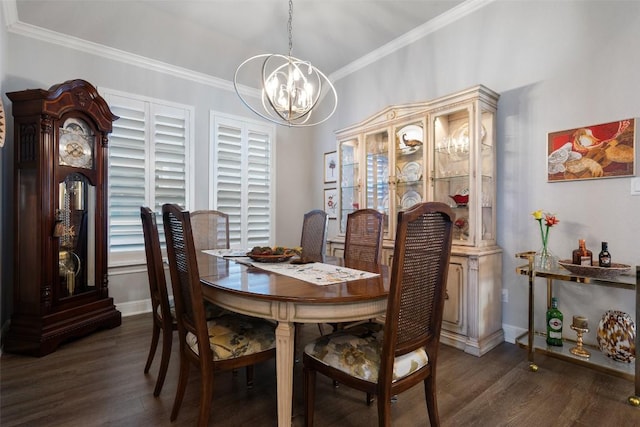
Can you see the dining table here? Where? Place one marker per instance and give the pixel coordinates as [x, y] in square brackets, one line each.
[246, 287]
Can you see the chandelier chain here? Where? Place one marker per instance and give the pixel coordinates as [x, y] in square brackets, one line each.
[290, 27]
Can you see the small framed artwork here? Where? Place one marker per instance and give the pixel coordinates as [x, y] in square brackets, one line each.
[598, 151]
[330, 167]
[331, 202]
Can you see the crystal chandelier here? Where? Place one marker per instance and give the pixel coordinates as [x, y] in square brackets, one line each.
[291, 88]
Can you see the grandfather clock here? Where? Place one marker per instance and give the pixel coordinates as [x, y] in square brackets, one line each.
[60, 217]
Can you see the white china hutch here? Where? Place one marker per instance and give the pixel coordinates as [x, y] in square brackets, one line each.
[442, 150]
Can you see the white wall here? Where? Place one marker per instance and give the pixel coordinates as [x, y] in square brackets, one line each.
[557, 65]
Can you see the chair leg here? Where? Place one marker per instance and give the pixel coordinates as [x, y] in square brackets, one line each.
[206, 394]
[249, 369]
[167, 338]
[154, 346]
[370, 399]
[182, 386]
[432, 402]
[384, 410]
[309, 395]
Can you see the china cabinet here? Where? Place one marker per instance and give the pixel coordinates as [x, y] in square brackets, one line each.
[440, 150]
[535, 341]
[60, 217]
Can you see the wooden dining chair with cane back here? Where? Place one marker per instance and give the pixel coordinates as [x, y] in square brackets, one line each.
[314, 235]
[225, 343]
[363, 238]
[164, 319]
[388, 359]
[210, 229]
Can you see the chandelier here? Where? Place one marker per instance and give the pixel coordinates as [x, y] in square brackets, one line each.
[291, 88]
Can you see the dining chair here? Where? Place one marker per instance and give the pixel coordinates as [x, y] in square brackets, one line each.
[163, 312]
[388, 359]
[210, 229]
[363, 237]
[225, 343]
[314, 235]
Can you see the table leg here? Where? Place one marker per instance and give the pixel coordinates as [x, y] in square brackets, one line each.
[284, 371]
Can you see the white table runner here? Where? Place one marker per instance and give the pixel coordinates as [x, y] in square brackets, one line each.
[316, 273]
[227, 253]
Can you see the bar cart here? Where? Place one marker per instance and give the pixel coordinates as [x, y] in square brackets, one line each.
[535, 342]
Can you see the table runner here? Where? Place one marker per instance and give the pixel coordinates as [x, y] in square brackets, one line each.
[227, 253]
[316, 273]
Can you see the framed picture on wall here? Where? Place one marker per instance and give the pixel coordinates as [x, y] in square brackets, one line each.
[590, 152]
[330, 167]
[331, 202]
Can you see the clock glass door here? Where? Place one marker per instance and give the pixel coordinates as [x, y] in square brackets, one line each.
[75, 229]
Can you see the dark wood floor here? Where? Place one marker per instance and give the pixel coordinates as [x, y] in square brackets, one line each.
[99, 380]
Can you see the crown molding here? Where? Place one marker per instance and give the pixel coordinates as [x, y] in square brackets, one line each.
[14, 25]
[463, 9]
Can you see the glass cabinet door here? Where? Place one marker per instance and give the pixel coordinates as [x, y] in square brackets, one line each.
[453, 142]
[488, 169]
[349, 152]
[377, 174]
[409, 165]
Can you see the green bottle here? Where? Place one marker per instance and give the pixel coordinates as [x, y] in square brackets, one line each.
[554, 324]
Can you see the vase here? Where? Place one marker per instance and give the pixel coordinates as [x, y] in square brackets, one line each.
[545, 259]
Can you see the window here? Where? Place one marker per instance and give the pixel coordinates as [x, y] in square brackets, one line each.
[242, 176]
[149, 165]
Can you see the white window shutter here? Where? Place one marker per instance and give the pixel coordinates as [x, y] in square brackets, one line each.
[127, 175]
[242, 179]
[149, 165]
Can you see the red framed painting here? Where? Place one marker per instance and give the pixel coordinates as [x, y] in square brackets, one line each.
[606, 150]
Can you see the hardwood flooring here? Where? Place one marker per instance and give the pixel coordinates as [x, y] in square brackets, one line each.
[99, 381]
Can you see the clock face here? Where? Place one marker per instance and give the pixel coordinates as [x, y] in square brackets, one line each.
[76, 144]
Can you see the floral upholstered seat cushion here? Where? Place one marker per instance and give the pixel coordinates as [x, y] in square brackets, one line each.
[234, 335]
[357, 350]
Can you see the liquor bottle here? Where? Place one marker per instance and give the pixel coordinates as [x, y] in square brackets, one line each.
[554, 324]
[604, 258]
[582, 255]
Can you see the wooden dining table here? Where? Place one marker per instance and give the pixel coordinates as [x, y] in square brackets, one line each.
[246, 289]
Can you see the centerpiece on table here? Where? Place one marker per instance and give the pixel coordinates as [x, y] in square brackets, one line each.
[273, 254]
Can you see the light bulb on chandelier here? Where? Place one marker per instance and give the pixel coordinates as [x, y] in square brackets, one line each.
[291, 88]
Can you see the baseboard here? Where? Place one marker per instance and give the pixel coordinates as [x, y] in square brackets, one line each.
[131, 308]
[512, 332]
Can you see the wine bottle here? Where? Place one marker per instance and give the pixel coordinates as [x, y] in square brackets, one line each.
[554, 324]
[582, 255]
[604, 258]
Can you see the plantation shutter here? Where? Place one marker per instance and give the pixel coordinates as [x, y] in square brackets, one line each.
[242, 179]
[149, 165]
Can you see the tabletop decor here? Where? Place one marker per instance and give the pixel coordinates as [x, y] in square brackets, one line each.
[595, 271]
[544, 259]
[581, 326]
[275, 254]
[591, 152]
[616, 336]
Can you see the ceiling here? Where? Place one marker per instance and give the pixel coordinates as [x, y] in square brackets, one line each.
[214, 36]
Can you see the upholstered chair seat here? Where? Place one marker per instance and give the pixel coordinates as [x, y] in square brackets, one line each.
[232, 336]
[357, 351]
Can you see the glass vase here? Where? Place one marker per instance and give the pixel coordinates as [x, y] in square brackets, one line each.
[545, 259]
